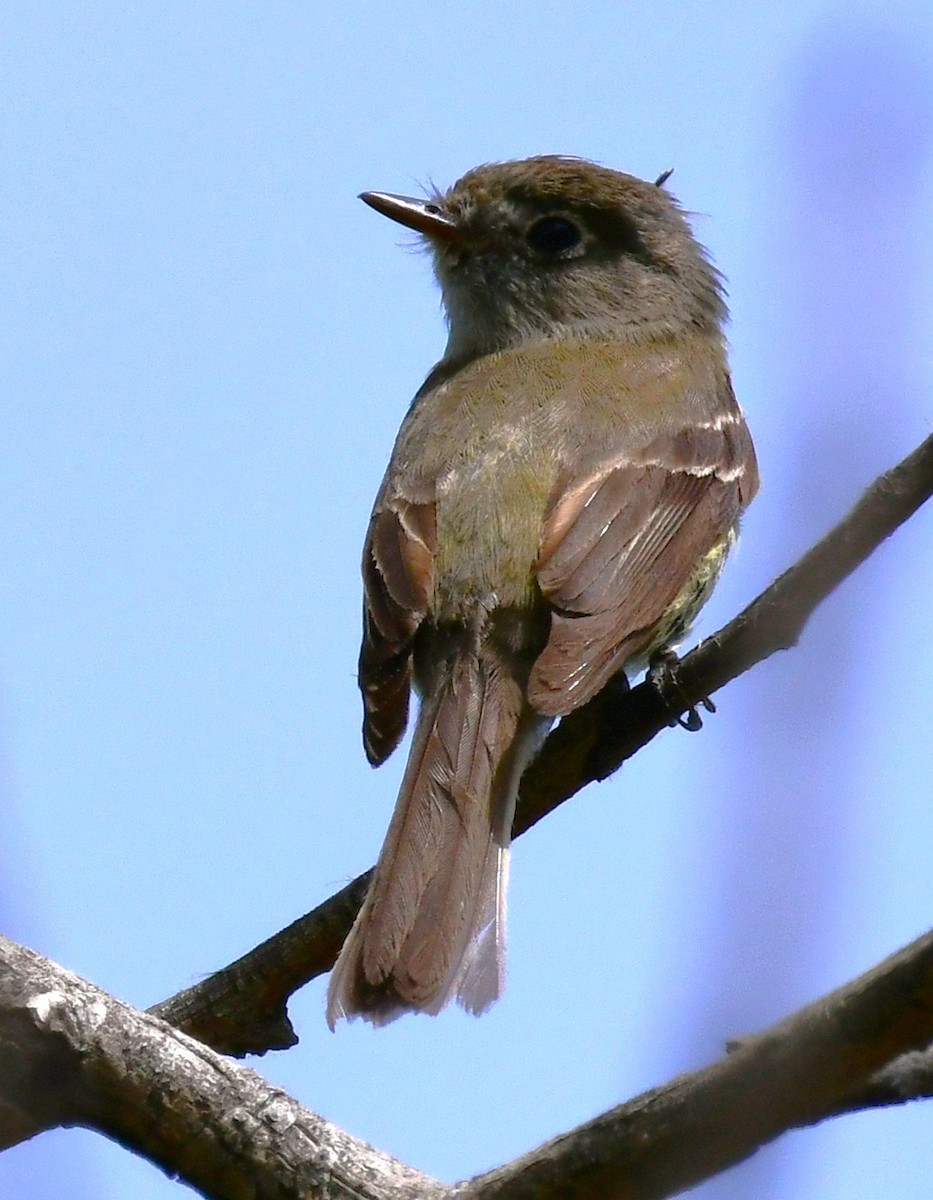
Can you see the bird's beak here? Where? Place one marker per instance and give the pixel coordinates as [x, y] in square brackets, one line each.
[424, 216]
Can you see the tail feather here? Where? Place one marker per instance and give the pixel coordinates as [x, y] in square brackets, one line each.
[481, 975]
[433, 924]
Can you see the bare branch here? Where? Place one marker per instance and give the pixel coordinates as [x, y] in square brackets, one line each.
[241, 1009]
[810, 1066]
[907, 1078]
[72, 1055]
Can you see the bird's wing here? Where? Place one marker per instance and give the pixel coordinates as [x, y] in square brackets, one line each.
[398, 581]
[631, 536]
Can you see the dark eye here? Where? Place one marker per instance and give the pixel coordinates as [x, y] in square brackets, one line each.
[552, 235]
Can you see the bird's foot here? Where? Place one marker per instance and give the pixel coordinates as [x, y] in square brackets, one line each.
[663, 675]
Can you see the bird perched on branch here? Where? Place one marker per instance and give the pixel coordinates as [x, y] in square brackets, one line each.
[558, 505]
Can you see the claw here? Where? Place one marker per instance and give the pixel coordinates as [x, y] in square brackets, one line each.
[662, 675]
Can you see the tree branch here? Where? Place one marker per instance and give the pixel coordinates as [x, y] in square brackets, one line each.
[241, 1009]
[71, 1054]
[824, 1060]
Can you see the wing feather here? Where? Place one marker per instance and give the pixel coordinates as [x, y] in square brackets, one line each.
[398, 582]
[627, 542]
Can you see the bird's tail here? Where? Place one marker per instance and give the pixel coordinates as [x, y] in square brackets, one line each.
[433, 924]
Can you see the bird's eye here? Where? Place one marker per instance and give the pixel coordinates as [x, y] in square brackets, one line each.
[553, 235]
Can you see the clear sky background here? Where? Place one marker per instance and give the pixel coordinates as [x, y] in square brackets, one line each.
[207, 346]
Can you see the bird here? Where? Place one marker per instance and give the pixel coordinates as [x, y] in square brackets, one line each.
[558, 505]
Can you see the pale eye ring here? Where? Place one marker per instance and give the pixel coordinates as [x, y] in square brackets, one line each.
[554, 234]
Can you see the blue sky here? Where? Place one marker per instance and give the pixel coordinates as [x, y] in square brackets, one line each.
[207, 346]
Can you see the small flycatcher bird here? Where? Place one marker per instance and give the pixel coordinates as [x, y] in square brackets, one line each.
[559, 503]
